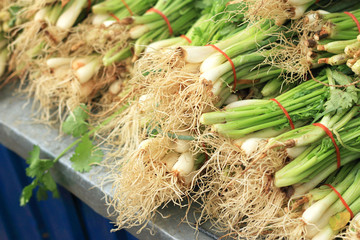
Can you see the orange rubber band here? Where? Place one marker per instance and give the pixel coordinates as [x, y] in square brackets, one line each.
[164, 17]
[342, 200]
[89, 6]
[127, 7]
[230, 61]
[114, 16]
[329, 133]
[285, 112]
[186, 38]
[355, 19]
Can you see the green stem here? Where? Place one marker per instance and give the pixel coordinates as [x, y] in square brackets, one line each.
[91, 132]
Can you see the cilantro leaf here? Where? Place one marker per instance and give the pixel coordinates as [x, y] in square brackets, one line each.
[37, 166]
[76, 124]
[39, 170]
[85, 155]
[26, 193]
[341, 99]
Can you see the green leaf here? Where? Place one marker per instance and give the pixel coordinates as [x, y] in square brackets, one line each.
[34, 155]
[37, 166]
[85, 155]
[50, 184]
[341, 99]
[27, 193]
[41, 193]
[39, 169]
[76, 124]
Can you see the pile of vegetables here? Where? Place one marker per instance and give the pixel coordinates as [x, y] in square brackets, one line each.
[248, 108]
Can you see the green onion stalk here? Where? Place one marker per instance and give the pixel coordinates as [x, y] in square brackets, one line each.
[337, 26]
[111, 10]
[275, 87]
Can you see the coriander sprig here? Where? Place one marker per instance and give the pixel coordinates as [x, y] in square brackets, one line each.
[85, 155]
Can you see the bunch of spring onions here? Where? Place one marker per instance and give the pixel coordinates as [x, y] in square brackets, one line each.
[159, 172]
[242, 118]
[340, 108]
[88, 43]
[326, 214]
[331, 34]
[246, 58]
[152, 26]
[116, 10]
[322, 156]
[299, 54]
[45, 31]
[212, 26]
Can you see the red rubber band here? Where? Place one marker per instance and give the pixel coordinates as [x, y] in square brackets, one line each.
[114, 16]
[127, 7]
[355, 19]
[186, 38]
[164, 17]
[342, 200]
[285, 112]
[89, 6]
[329, 133]
[230, 61]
